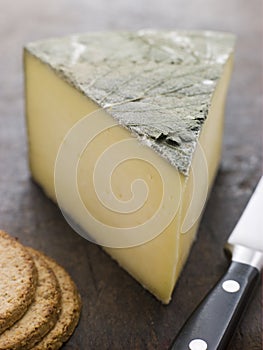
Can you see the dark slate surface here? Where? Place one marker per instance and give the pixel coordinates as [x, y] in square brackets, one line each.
[117, 312]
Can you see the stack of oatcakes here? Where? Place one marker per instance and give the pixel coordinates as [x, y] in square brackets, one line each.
[39, 302]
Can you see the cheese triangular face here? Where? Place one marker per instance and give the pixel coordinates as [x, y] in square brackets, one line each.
[125, 133]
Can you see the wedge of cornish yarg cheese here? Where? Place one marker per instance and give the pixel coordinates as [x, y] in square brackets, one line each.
[125, 133]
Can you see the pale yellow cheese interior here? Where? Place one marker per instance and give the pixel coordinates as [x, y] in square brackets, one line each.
[53, 107]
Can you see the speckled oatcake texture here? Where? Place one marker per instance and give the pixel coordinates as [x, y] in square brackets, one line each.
[18, 280]
[158, 84]
[41, 315]
[70, 309]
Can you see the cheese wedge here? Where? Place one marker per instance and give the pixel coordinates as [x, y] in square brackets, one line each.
[125, 132]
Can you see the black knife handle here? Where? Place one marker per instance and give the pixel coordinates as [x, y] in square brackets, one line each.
[212, 324]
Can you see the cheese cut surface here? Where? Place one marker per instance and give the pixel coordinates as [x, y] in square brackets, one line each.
[154, 106]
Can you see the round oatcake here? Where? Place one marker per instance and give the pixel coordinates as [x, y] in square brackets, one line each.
[41, 315]
[70, 310]
[18, 280]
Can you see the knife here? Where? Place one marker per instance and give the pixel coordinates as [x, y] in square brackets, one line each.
[212, 324]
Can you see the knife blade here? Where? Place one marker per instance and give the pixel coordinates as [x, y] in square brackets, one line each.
[212, 324]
